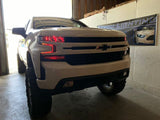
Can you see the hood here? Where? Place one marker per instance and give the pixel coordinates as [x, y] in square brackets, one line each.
[80, 32]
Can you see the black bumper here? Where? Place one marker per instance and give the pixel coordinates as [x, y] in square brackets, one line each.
[88, 81]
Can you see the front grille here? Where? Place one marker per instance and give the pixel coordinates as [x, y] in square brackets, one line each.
[93, 39]
[93, 58]
[102, 47]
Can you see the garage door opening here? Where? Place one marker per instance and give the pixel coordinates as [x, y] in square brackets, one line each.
[18, 12]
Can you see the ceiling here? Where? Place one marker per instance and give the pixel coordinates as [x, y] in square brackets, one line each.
[81, 7]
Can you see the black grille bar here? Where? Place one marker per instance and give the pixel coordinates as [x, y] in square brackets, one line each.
[94, 47]
[93, 39]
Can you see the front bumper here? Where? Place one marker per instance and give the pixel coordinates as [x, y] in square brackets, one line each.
[57, 71]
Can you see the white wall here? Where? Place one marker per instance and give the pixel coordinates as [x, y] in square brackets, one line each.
[145, 65]
[95, 20]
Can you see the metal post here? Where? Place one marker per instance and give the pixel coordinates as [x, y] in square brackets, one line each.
[3, 50]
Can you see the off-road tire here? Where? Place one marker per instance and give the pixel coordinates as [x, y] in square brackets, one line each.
[39, 104]
[21, 66]
[112, 88]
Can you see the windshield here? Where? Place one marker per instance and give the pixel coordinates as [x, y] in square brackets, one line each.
[56, 22]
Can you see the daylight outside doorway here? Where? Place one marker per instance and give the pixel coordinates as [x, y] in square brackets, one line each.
[18, 12]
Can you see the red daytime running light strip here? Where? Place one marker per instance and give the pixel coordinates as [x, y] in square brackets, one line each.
[53, 39]
[62, 39]
[46, 38]
[54, 57]
[47, 52]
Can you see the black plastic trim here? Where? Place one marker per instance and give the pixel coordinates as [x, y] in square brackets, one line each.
[83, 82]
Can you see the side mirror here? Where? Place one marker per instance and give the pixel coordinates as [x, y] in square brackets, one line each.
[19, 31]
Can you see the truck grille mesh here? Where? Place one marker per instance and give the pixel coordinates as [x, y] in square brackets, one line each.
[93, 58]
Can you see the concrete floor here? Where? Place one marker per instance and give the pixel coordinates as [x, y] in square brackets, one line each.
[88, 104]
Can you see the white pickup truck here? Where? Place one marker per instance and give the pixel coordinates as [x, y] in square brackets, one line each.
[63, 55]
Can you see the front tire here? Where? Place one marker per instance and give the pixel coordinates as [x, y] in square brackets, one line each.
[39, 103]
[21, 66]
[112, 88]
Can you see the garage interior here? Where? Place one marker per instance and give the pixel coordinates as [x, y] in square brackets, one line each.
[139, 100]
